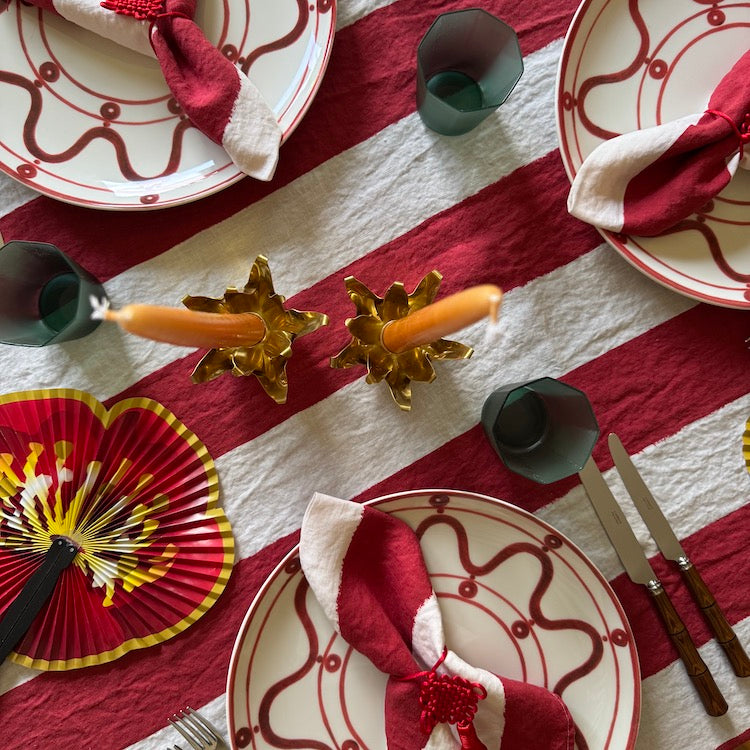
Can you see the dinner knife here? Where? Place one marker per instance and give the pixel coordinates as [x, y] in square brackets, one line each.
[671, 548]
[24, 608]
[639, 569]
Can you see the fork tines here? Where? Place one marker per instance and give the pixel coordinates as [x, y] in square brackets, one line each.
[199, 734]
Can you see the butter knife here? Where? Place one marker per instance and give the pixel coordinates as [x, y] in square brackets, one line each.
[671, 548]
[640, 571]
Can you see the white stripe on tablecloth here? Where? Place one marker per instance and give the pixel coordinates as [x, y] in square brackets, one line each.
[668, 699]
[349, 11]
[695, 493]
[332, 210]
[572, 514]
[13, 194]
[529, 333]
[441, 410]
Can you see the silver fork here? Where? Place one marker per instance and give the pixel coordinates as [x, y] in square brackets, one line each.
[200, 735]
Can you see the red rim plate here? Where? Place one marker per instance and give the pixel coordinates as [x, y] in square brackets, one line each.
[544, 614]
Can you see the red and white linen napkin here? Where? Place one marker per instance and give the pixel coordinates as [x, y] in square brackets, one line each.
[213, 92]
[366, 569]
[645, 182]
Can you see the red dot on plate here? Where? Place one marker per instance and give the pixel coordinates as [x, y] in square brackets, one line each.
[468, 589]
[27, 170]
[110, 111]
[242, 737]
[658, 69]
[439, 501]
[619, 637]
[332, 663]
[49, 71]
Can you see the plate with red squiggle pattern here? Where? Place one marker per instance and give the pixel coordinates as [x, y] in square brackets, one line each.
[517, 598]
[78, 108]
[631, 64]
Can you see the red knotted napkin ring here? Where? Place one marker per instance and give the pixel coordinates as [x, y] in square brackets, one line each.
[142, 10]
[451, 699]
[742, 131]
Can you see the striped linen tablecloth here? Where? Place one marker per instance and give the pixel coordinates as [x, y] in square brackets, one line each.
[364, 189]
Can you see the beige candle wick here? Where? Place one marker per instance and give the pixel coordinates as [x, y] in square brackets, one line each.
[442, 318]
[182, 327]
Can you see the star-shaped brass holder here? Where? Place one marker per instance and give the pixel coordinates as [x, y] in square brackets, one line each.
[397, 368]
[268, 357]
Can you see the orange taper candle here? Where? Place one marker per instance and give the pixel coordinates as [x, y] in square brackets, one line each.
[202, 330]
[442, 318]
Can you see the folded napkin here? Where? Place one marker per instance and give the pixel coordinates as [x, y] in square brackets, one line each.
[647, 181]
[211, 90]
[367, 571]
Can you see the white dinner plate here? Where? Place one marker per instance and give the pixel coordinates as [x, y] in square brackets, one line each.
[517, 598]
[629, 65]
[61, 85]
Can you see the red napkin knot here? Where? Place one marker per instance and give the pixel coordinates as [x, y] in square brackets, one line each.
[742, 131]
[142, 10]
[448, 698]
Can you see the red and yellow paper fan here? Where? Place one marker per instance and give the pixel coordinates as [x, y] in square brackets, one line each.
[137, 493]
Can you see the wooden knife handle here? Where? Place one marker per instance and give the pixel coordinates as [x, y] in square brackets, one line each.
[709, 693]
[717, 620]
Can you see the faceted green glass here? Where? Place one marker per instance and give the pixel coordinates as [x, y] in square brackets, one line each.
[44, 295]
[468, 62]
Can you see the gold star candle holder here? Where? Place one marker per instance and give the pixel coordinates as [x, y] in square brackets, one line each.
[397, 337]
[247, 331]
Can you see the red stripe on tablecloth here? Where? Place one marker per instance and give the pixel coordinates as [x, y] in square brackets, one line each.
[195, 663]
[637, 390]
[480, 240]
[715, 551]
[707, 340]
[369, 84]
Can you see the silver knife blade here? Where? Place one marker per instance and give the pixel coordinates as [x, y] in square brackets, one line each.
[616, 525]
[645, 502]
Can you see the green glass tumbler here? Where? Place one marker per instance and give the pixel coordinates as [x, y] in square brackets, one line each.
[468, 62]
[44, 295]
[543, 429]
